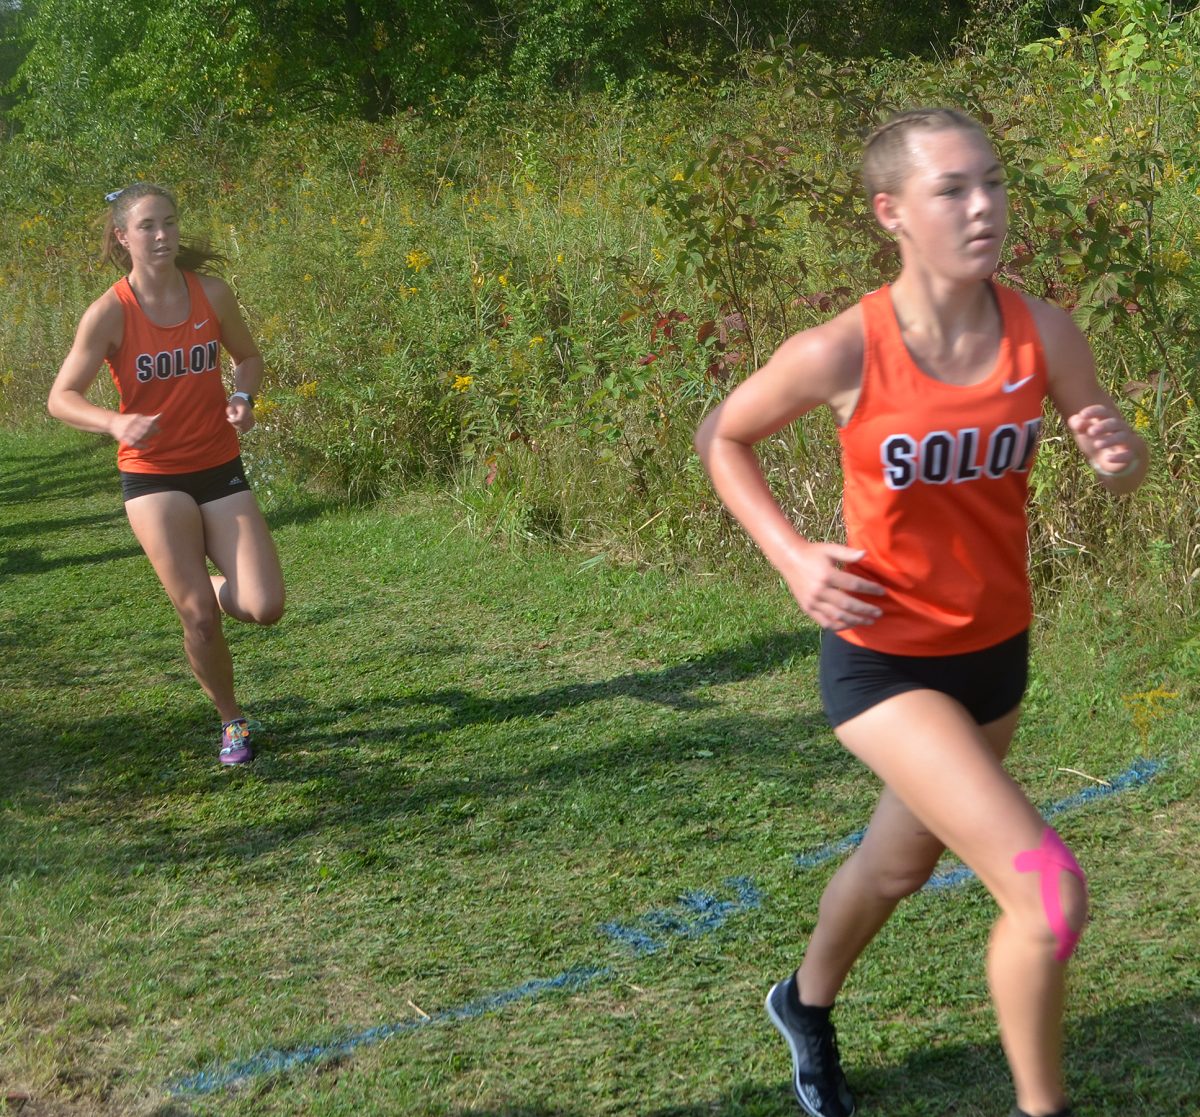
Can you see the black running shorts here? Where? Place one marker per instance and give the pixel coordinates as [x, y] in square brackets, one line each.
[203, 486]
[989, 683]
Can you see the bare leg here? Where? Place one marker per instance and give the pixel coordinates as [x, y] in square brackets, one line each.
[171, 531]
[922, 743]
[250, 585]
[896, 857]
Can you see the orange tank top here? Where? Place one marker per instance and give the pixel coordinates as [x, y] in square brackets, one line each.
[173, 372]
[936, 484]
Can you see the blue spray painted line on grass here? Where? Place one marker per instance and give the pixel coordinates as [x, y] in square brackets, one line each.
[1141, 772]
[273, 1061]
[830, 850]
[696, 914]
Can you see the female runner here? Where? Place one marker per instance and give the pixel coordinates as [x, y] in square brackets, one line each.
[160, 328]
[936, 383]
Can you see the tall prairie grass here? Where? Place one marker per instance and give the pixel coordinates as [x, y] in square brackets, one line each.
[534, 316]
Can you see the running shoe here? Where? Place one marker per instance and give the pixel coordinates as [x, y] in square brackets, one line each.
[817, 1078]
[235, 742]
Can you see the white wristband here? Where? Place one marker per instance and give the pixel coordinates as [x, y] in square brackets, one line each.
[1124, 471]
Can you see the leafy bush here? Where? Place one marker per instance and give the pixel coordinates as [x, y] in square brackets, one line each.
[537, 316]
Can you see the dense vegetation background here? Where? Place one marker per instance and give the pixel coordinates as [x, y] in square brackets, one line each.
[78, 60]
[515, 249]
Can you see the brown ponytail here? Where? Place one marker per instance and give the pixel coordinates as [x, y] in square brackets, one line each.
[193, 255]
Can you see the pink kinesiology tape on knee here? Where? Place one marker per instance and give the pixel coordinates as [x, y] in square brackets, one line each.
[1051, 859]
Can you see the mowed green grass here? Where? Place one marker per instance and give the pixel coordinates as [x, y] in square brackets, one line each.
[471, 761]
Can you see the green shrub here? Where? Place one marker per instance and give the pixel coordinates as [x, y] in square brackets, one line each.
[537, 317]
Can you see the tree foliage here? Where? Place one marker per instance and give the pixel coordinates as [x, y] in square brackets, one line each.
[77, 67]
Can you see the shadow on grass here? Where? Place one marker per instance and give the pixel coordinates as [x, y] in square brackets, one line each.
[1136, 1059]
[39, 474]
[31, 560]
[40, 528]
[342, 790]
[33, 473]
[672, 687]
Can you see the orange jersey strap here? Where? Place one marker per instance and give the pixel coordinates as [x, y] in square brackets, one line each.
[173, 372]
[936, 483]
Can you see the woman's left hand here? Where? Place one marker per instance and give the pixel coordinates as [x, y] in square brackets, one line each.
[1106, 439]
[240, 414]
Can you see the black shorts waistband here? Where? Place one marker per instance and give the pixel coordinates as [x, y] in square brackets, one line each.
[203, 485]
[989, 683]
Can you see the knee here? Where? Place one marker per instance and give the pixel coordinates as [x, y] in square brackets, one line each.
[201, 620]
[266, 612]
[890, 879]
[897, 883]
[1063, 893]
[252, 604]
[1075, 901]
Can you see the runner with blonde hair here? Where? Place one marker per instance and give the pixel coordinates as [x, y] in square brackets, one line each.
[936, 383]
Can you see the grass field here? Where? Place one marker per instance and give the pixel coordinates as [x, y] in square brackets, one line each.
[528, 835]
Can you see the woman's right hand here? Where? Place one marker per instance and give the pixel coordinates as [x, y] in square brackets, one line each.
[824, 590]
[133, 430]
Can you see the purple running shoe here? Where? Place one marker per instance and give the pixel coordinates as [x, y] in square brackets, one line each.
[235, 742]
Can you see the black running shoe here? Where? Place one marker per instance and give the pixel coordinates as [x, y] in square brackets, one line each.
[817, 1078]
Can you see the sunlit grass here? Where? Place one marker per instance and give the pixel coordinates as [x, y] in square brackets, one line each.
[472, 762]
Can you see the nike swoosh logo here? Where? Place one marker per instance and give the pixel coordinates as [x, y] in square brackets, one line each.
[197, 325]
[1019, 384]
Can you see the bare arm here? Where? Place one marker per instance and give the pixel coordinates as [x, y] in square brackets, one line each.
[98, 335]
[1111, 446]
[247, 360]
[819, 366]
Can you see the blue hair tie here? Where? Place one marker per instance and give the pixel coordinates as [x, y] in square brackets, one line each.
[110, 198]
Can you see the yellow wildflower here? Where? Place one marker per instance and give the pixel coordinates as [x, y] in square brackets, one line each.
[1177, 261]
[462, 383]
[308, 389]
[502, 280]
[307, 277]
[417, 259]
[534, 342]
